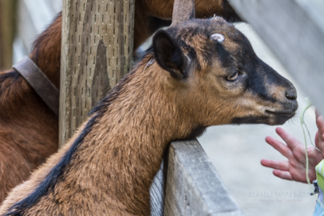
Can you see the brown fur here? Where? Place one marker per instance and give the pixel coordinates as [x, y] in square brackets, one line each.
[28, 131]
[28, 128]
[120, 147]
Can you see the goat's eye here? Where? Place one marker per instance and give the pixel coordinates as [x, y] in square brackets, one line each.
[217, 37]
[232, 77]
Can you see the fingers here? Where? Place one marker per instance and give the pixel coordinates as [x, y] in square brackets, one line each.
[319, 138]
[281, 168]
[279, 146]
[282, 175]
[317, 141]
[320, 126]
[278, 165]
[291, 141]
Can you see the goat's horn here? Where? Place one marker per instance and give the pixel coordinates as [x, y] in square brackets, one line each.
[183, 10]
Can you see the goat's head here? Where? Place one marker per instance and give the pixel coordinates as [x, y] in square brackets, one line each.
[218, 74]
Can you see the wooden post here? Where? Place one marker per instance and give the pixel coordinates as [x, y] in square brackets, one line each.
[7, 29]
[97, 48]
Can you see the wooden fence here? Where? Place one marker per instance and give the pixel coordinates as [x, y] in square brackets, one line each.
[96, 53]
[188, 184]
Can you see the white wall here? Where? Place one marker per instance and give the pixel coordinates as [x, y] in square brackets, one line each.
[33, 17]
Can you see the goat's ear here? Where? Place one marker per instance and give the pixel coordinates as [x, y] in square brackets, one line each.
[169, 55]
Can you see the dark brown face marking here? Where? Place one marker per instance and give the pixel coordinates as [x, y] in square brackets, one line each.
[265, 96]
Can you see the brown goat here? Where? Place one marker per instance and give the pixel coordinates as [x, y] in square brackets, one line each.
[29, 130]
[200, 73]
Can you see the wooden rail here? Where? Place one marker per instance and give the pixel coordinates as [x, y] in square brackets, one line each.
[188, 184]
[193, 186]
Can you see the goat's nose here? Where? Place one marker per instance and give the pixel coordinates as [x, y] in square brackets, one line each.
[291, 94]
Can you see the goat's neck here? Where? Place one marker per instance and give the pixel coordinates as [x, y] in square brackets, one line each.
[125, 147]
[17, 97]
[25, 121]
[20, 103]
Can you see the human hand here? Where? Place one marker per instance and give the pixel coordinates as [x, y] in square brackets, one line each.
[294, 151]
[319, 138]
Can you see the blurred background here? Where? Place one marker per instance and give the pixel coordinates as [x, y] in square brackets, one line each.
[235, 151]
[20, 23]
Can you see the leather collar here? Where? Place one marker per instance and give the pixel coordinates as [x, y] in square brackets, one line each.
[39, 82]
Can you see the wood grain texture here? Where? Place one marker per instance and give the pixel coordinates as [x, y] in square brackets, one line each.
[157, 191]
[193, 185]
[96, 52]
[7, 29]
[294, 31]
[183, 10]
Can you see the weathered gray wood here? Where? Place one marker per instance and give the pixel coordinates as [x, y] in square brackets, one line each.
[97, 43]
[294, 31]
[157, 192]
[193, 185]
[183, 10]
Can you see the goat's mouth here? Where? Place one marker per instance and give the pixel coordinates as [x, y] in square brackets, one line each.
[269, 118]
[269, 115]
[279, 117]
[287, 114]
